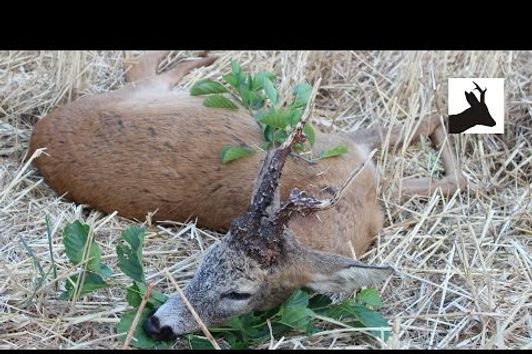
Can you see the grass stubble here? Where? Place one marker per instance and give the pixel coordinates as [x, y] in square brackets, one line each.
[463, 263]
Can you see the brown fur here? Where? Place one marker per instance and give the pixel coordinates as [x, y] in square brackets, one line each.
[145, 148]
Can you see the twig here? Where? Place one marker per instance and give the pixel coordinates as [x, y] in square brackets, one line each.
[32, 255]
[194, 313]
[303, 202]
[137, 316]
[85, 259]
[354, 174]
[304, 118]
[50, 247]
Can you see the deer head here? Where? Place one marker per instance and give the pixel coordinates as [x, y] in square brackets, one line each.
[259, 262]
[479, 109]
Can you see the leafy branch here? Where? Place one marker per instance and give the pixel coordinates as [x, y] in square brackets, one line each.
[258, 94]
[83, 251]
[300, 313]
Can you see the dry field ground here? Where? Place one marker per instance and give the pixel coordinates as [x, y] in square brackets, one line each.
[464, 262]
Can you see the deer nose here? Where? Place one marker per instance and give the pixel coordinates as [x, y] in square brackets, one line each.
[153, 328]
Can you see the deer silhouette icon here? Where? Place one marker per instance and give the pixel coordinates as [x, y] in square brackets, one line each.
[476, 114]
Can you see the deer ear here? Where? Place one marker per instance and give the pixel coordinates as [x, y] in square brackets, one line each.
[471, 98]
[330, 273]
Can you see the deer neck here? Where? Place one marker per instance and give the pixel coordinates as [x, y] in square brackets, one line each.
[461, 121]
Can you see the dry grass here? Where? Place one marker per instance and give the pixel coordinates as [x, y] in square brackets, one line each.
[464, 264]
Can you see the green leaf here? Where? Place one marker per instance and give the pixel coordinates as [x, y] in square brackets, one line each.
[248, 81]
[133, 296]
[370, 318]
[231, 79]
[258, 117]
[279, 136]
[75, 237]
[295, 312]
[197, 343]
[91, 283]
[236, 70]
[219, 101]
[206, 87]
[252, 99]
[276, 118]
[231, 153]
[235, 322]
[309, 133]
[262, 81]
[237, 343]
[299, 298]
[271, 91]
[370, 296]
[257, 101]
[95, 255]
[249, 329]
[258, 80]
[156, 298]
[298, 318]
[319, 303]
[129, 252]
[105, 271]
[349, 309]
[302, 94]
[247, 325]
[274, 135]
[299, 148]
[265, 145]
[295, 116]
[268, 134]
[333, 151]
[140, 339]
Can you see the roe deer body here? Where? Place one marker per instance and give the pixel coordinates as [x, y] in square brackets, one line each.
[145, 148]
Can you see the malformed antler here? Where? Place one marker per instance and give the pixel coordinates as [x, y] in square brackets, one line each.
[254, 230]
[261, 229]
[301, 202]
[271, 170]
[482, 92]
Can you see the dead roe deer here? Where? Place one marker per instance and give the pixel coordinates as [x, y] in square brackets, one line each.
[145, 148]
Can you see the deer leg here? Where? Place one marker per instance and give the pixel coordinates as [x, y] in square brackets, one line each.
[433, 128]
[170, 77]
[146, 68]
[453, 178]
[146, 65]
[375, 137]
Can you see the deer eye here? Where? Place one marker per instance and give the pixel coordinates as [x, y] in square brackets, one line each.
[236, 296]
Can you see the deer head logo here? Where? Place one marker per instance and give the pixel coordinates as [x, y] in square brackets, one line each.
[476, 114]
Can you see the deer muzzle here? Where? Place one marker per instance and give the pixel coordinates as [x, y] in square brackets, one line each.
[170, 320]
